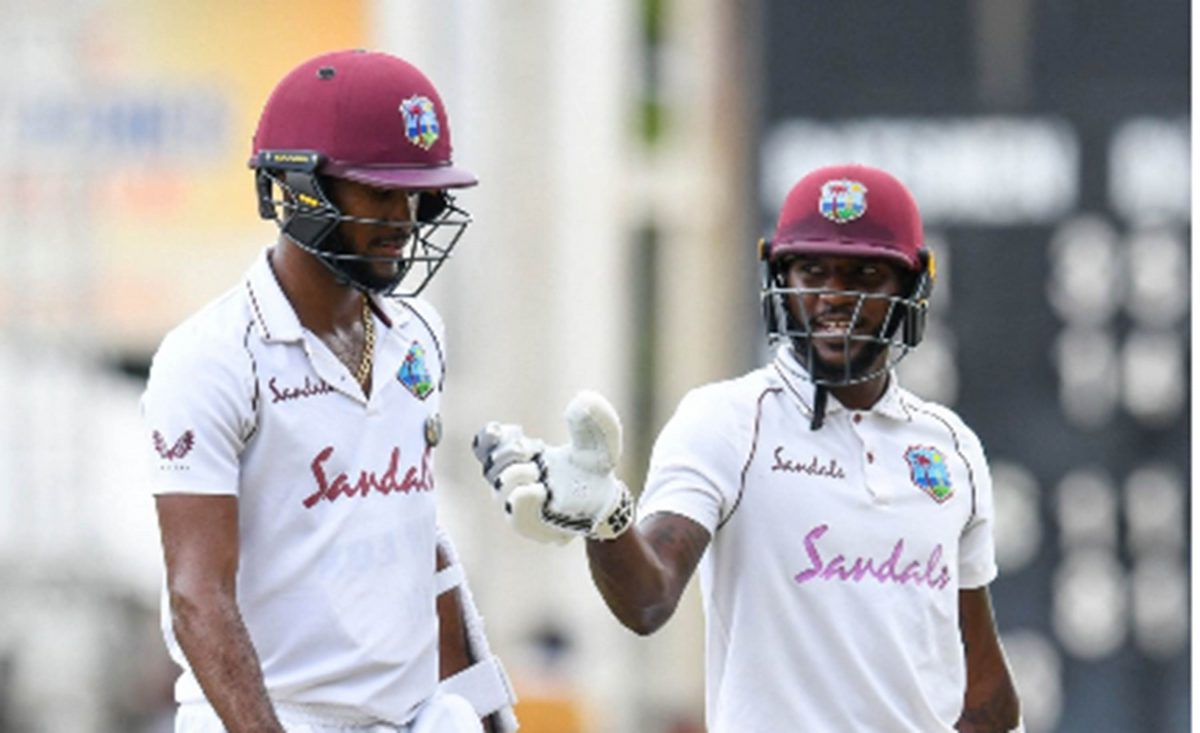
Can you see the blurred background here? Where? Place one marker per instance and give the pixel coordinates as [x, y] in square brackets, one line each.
[630, 154]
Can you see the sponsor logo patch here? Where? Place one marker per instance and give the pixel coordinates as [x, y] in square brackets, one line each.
[828, 468]
[310, 388]
[395, 478]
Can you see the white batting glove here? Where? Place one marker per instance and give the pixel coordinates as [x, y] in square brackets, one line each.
[512, 464]
[555, 494]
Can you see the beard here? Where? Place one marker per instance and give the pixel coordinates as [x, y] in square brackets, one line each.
[359, 270]
[858, 367]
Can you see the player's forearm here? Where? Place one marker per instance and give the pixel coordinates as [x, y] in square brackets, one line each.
[632, 581]
[454, 653]
[642, 573]
[213, 637]
[998, 714]
[454, 647]
[990, 702]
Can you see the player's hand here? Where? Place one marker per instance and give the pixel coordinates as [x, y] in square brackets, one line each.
[553, 494]
[513, 465]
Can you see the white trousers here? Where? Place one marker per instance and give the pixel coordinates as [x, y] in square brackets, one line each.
[442, 713]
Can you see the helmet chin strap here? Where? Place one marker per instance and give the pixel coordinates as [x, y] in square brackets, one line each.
[820, 399]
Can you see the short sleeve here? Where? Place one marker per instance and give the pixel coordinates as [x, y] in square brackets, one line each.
[977, 548]
[694, 467]
[197, 412]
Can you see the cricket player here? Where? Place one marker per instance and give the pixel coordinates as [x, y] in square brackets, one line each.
[292, 425]
[842, 526]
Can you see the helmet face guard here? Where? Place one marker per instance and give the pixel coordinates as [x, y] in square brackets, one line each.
[900, 330]
[290, 193]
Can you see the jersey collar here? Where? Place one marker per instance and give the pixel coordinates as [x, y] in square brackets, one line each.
[795, 376]
[273, 313]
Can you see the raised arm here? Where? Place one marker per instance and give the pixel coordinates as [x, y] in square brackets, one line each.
[990, 704]
[200, 549]
[554, 494]
[642, 573]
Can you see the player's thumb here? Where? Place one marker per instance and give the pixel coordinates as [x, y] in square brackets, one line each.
[595, 432]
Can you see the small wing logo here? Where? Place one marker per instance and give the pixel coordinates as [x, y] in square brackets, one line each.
[421, 125]
[176, 451]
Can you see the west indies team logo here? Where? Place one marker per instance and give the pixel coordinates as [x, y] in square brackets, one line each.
[414, 374]
[842, 200]
[421, 125]
[176, 450]
[930, 472]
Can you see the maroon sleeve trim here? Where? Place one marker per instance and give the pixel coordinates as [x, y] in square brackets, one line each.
[758, 408]
[255, 397]
[257, 311]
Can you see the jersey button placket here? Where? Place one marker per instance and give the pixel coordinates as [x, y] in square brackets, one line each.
[873, 476]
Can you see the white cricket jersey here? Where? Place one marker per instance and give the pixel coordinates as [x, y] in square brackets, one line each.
[831, 584]
[335, 491]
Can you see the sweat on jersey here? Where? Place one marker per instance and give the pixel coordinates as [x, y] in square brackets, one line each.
[336, 516]
[831, 584]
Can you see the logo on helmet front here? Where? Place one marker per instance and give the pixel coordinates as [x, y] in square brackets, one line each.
[843, 200]
[420, 121]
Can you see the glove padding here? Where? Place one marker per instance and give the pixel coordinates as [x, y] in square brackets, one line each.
[554, 494]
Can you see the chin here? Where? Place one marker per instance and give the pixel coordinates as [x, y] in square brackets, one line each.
[834, 367]
[384, 274]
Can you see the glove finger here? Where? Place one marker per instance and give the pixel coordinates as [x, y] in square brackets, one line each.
[499, 444]
[525, 514]
[486, 440]
[517, 450]
[516, 476]
[595, 431]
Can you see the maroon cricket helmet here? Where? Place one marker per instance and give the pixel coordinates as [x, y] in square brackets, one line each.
[372, 118]
[851, 210]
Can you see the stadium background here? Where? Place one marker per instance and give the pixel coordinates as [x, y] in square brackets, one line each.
[630, 154]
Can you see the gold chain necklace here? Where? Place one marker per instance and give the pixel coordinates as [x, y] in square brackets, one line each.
[366, 362]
